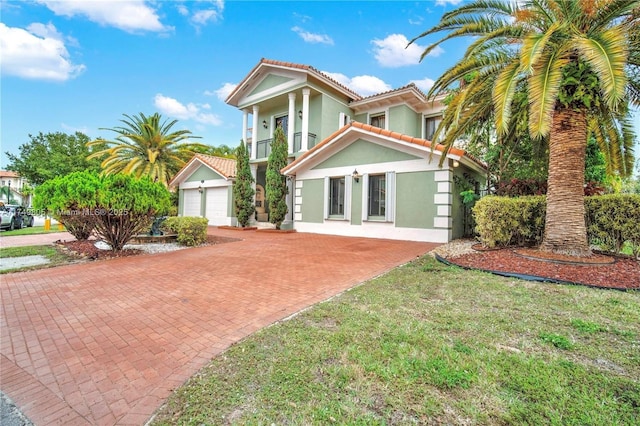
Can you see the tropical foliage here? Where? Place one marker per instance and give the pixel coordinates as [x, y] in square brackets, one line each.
[243, 191]
[565, 68]
[115, 207]
[276, 183]
[48, 155]
[147, 146]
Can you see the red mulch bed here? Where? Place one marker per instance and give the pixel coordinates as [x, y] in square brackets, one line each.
[87, 250]
[621, 274]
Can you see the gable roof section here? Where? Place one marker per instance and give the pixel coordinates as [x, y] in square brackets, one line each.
[366, 129]
[409, 95]
[265, 65]
[225, 167]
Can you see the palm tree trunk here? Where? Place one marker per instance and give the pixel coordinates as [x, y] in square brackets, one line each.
[565, 230]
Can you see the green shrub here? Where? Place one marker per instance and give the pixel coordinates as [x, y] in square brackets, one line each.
[612, 221]
[191, 231]
[504, 221]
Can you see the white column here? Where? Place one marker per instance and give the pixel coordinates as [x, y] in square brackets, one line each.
[245, 122]
[292, 121]
[305, 119]
[288, 220]
[254, 133]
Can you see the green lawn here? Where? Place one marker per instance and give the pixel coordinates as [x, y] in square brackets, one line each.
[31, 231]
[55, 256]
[430, 344]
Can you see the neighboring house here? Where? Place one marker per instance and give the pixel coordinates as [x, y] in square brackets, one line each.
[360, 166]
[12, 182]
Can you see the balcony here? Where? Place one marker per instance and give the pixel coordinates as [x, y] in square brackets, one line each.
[263, 147]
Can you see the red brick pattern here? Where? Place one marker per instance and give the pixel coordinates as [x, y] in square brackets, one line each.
[106, 343]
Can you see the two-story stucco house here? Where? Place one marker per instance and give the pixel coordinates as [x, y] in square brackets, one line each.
[359, 166]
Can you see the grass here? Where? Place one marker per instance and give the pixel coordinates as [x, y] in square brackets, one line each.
[430, 344]
[30, 231]
[55, 256]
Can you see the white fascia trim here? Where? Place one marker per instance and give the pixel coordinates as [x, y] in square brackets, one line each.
[289, 86]
[407, 166]
[382, 230]
[191, 167]
[211, 183]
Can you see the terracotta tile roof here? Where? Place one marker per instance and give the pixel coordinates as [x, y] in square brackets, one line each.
[399, 89]
[387, 133]
[9, 173]
[303, 67]
[225, 166]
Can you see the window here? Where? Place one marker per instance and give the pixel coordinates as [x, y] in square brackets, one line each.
[343, 119]
[337, 200]
[377, 195]
[377, 120]
[336, 196]
[431, 124]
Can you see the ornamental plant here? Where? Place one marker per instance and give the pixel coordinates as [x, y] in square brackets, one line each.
[243, 191]
[114, 207]
[276, 185]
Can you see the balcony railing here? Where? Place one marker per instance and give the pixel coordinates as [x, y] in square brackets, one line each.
[297, 141]
[263, 147]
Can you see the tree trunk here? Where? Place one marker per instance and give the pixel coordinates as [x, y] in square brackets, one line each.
[565, 230]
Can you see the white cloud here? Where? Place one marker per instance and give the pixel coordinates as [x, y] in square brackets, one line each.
[446, 2]
[127, 15]
[364, 85]
[174, 108]
[37, 53]
[202, 12]
[311, 37]
[223, 92]
[73, 129]
[425, 84]
[393, 52]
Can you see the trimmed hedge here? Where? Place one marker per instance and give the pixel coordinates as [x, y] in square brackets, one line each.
[614, 219]
[611, 221]
[191, 231]
[506, 221]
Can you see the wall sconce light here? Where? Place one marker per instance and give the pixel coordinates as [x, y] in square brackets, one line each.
[356, 175]
[455, 163]
[264, 123]
[300, 114]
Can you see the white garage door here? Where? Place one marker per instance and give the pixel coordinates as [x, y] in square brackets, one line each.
[191, 202]
[216, 206]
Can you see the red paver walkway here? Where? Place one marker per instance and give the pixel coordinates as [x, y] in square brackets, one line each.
[33, 240]
[106, 343]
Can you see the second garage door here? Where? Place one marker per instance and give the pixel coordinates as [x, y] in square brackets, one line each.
[216, 206]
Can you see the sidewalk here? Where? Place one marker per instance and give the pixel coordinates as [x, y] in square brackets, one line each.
[34, 240]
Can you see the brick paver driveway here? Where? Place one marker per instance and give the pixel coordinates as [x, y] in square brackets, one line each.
[105, 343]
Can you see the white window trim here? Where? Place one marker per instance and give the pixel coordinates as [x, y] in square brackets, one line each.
[390, 198]
[347, 198]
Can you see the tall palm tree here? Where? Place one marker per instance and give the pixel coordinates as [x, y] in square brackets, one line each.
[146, 146]
[572, 59]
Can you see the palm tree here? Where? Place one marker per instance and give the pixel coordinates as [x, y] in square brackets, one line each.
[574, 59]
[146, 146]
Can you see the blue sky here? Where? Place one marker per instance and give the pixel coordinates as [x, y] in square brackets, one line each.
[79, 65]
